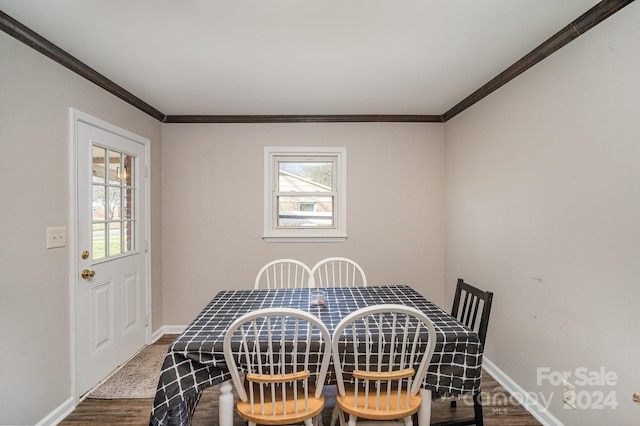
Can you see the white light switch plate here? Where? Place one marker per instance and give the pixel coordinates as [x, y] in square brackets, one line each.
[56, 237]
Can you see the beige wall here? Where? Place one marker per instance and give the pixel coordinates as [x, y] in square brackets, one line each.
[543, 207]
[213, 206]
[35, 96]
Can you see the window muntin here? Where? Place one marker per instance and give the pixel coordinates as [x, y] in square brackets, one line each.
[305, 193]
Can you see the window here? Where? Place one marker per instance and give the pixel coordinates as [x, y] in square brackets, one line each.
[305, 194]
[113, 203]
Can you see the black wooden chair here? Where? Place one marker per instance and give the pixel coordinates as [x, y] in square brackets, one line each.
[472, 307]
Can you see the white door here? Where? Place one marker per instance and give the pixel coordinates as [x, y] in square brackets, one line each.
[111, 290]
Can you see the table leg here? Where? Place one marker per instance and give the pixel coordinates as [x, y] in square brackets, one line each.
[225, 404]
[424, 413]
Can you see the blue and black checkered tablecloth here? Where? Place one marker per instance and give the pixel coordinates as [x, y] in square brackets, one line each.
[195, 360]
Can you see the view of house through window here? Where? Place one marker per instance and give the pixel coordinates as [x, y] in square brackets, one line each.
[305, 193]
[113, 197]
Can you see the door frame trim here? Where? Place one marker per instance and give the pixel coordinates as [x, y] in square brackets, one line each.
[75, 117]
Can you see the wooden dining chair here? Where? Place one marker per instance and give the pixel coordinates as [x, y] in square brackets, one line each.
[284, 273]
[284, 355]
[381, 354]
[472, 307]
[338, 272]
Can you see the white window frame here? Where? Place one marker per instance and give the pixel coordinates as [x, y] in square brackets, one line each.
[338, 232]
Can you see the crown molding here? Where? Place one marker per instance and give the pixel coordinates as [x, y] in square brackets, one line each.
[362, 118]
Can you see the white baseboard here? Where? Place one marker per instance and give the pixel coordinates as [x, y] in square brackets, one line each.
[527, 401]
[57, 415]
[167, 329]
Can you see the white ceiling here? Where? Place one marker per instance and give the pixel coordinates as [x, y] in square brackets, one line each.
[266, 57]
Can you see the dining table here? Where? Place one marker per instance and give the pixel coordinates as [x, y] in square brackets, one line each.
[195, 360]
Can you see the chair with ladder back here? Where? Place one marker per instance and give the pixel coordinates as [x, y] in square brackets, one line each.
[472, 307]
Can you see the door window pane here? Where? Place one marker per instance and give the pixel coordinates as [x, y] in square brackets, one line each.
[98, 154]
[98, 202]
[128, 164]
[115, 167]
[114, 203]
[128, 236]
[99, 241]
[115, 238]
[127, 204]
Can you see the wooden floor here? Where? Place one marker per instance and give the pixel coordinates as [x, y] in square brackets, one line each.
[498, 408]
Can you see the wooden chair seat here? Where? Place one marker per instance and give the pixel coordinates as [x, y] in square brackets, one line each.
[397, 409]
[278, 417]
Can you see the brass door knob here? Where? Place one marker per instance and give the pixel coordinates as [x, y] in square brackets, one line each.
[87, 274]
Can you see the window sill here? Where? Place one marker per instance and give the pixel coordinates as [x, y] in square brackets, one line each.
[290, 239]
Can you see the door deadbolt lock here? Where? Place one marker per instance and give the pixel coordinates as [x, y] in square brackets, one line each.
[87, 274]
[85, 254]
